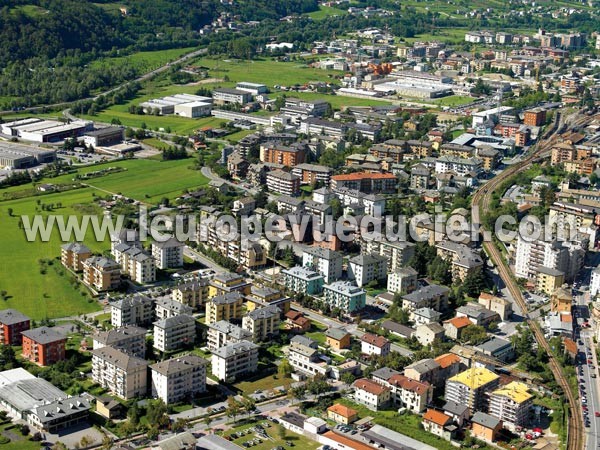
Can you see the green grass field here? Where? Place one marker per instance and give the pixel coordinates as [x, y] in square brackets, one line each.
[453, 100]
[31, 292]
[18, 441]
[338, 101]
[144, 61]
[326, 11]
[276, 439]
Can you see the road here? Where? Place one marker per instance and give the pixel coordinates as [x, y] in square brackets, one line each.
[351, 327]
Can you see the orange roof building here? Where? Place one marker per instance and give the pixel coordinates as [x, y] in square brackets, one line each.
[446, 360]
[342, 414]
[454, 327]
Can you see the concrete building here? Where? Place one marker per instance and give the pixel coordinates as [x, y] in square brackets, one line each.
[73, 254]
[337, 338]
[344, 295]
[104, 137]
[191, 293]
[595, 282]
[224, 307]
[424, 316]
[252, 88]
[136, 309]
[471, 388]
[405, 392]
[165, 308]
[283, 183]
[12, 324]
[327, 262]
[304, 357]
[371, 394]
[303, 280]
[381, 183]
[402, 280]
[232, 361]
[17, 156]
[366, 268]
[43, 346]
[124, 375]
[439, 424]
[193, 110]
[178, 379]
[222, 333]
[485, 427]
[498, 305]
[428, 333]
[461, 166]
[168, 254]
[512, 404]
[101, 274]
[262, 322]
[226, 96]
[431, 296]
[398, 253]
[129, 339]
[174, 332]
[288, 155]
[372, 344]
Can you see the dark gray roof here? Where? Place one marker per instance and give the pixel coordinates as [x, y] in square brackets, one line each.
[427, 292]
[169, 243]
[294, 419]
[336, 333]
[101, 261]
[176, 365]
[117, 335]
[304, 340]
[237, 332]
[493, 345]
[132, 300]
[235, 348]
[44, 335]
[485, 420]
[76, 247]
[12, 316]
[363, 260]
[118, 358]
[455, 408]
[264, 313]
[62, 408]
[172, 305]
[396, 327]
[216, 442]
[384, 373]
[174, 321]
[228, 298]
[324, 253]
[424, 365]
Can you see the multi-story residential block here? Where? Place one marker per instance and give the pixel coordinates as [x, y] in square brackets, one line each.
[232, 361]
[424, 316]
[372, 344]
[499, 349]
[344, 295]
[478, 314]
[535, 117]
[124, 375]
[283, 183]
[431, 296]
[304, 357]
[512, 404]
[129, 237]
[371, 394]
[267, 296]
[472, 388]
[168, 254]
[141, 268]
[165, 308]
[129, 339]
[101, 274]
[373, 204]
[288, 155]
[462, 166]
[224, 96]
[561, 300]
[43, 346]
[222, 333]
[262, 322]
[405, 392]
[398, 253]
[549, 280]
[464, 260]
[402, 280]
[12, 324]
[380, 183]
[426, 334]
[366, 268]
[174, 332]
[424, 370]
[420, 177]
[303, 280]
[496, 304]
[573, 219]
[73, 254]
[595, 282]
[224, 307]
[226, 282]
[327, 262]
[136, 309]
[313, 174]
[178, 379]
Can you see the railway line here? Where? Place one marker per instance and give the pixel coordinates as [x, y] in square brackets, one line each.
[481, 202]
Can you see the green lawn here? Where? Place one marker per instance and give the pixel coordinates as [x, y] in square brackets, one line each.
[31, 292]
[453, 100]
[317, 333]
[326, 11]
[278, 436]
[19, 442]
[260, 382]
[144, 61]
[338, 101]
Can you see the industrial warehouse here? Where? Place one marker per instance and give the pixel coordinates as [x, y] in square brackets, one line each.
[41, 130]
[184, 105]
[16, 156]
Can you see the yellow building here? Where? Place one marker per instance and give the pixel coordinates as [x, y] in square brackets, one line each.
[225, 283]
[342, 414]
[561, 301]
[470, 388]
[224, 307]
[192, 293]
[264, 296]
[512, 404]
[549, 280]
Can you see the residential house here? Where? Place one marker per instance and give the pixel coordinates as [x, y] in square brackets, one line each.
[43, 346]
[178, 379]
[455, 326]
[165, 308]
[192, 293]
[303, 356]
[267, 296]
[224, 307]
[459, 412]
[439, 424]
[232, 361]
[174, 332]
[12, 324]
[372, 344]
[129, 339]
[549, 280]
[337, 338]
[407, 393]
[496, 304]
[342, 414]
[125, 376]
[428, 333]
[424, 370]
[497, 348]
[168, 254]
[485, 427]
[284, 183]
[431, 296]
[296, 322]
[478, 314]
[402, 280]
[371, 394]
[424, 316]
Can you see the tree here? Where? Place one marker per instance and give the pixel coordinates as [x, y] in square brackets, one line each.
[152, 432]
[474, 283]
[284, 369]
[180, 425]
[86, 441]
[348, 378]
[233, 408]
[157, 413]
[126, 428]
[281, 432]
[207, 421]
[134, 414]
[10, 212]
[297, 393]
[59, 446]
[474, 334]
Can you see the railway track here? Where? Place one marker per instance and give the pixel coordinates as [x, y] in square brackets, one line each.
[481, 202]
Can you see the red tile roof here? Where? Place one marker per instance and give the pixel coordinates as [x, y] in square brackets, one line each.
[373, 339]
[447, 360]
[363, 175]
[437, 417]
[342, 410]
[369, 386]
[460, 322]
[408, 384]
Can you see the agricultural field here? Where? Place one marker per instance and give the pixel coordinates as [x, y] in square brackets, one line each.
[28, 289]
[326, 11]
[453, 100]
[143, 62]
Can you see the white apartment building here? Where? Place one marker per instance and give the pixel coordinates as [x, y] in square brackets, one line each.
[327, 262]
[408, 393]
[344, 295]
[166, 307]
[192, 293]
[374, 204]
[462, 166]
[129, 339]
[263, 323]
[133, 310]
[123, 375]
[595, 282]
[398, 253]
[303, 280]
[512, 404]
[303, 356]
[234, 360]
[402, 280]
[168, 254]
[365, 268]
[178, 378]
[174, 332]
[371, 394]
[222, 333]
[141, 268]
[372, 344]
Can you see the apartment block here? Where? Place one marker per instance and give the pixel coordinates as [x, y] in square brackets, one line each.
[304, 357]
[225, 283]
[472, 388]
[303, 280]
[372, 344]
[12, 324]
[174, 332]
[224, 307]
[232, 361]
[366, 268]
[288, 155]
[402, 280]
[101, 274]
[136, 309]
[380, 183]
[129, 339]
[431, 296]
[72, 255]
[178, 379]
[124, 375]
[43, 346]
[371, 394]
[165, 308]
[327, 262]
[405, 392]
[263, 323]
[168, 254]
[222, 333]
[284, 183]
[344, 295]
